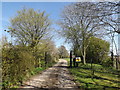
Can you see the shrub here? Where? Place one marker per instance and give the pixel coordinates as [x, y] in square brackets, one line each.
[16, 63]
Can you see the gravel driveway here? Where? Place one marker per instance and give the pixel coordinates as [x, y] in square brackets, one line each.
[57, 77]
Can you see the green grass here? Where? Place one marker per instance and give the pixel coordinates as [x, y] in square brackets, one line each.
[68, 59]
[39, 69]
[103, 77]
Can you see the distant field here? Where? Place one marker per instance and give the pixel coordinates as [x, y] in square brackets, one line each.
[103, 77]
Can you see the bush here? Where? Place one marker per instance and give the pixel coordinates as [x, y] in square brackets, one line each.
[20, 62]
[107, 62]
[97, 50]
[16, 63]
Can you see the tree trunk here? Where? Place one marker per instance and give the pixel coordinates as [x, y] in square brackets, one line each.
[84, 55]
[84, 61]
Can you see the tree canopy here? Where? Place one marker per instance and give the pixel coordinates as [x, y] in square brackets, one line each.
[82, 20]
[97, 50]
[62, 52]
[29, 26]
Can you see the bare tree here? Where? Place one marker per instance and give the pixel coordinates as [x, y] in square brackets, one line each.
[110, 17]
[80, 21]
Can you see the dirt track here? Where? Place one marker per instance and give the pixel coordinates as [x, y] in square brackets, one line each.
[57, 76]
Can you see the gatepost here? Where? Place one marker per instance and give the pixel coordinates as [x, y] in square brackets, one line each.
[70, 59]
[74, 60]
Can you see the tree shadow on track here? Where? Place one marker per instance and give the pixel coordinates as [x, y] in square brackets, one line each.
[62, 66]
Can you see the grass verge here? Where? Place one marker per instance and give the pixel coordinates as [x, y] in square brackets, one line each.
[96, 77]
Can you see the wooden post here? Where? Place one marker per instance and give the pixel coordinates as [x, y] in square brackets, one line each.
[113, 60]
[76, 64]
[74, 61]
[71, 59]
[45, 59]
